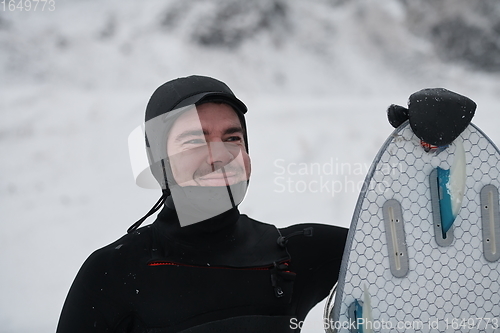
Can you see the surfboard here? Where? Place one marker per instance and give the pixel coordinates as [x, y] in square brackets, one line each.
[403, 270]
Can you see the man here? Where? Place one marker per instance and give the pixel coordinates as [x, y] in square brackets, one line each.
[202, 266]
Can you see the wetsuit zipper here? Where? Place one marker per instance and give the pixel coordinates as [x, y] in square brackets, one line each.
[171, 263]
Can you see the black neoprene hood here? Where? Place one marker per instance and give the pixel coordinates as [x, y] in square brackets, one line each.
[191, 90]
[176, 95]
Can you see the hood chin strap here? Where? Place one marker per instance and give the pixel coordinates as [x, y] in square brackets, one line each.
[153, 210]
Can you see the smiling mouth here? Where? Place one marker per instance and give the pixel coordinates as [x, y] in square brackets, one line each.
[220, 178]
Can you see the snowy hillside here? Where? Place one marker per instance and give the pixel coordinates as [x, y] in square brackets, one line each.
[317, 77]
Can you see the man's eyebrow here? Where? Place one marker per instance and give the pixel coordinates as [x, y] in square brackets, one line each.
[199, 132]
[185, 134]
[234, 129]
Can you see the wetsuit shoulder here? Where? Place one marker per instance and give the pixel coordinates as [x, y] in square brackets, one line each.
[93, 303]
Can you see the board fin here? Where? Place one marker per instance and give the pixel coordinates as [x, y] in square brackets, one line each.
[442, 239]
[451, 184]
[355, 314]
[360, 314]
[367, 311]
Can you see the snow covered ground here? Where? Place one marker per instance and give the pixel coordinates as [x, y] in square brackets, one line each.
[75, 83]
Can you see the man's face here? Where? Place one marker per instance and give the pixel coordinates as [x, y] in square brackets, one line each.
[206, 147]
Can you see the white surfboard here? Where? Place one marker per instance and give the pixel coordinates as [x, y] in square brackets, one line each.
[400, 271]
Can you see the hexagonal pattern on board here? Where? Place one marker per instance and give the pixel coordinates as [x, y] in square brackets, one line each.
[448, 286]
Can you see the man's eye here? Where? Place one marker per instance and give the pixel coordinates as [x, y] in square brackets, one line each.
[194, 142]
[234, 139]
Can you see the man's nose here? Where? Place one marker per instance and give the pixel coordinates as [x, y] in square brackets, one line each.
[219, 154]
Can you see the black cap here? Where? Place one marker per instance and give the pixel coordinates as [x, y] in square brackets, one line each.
[437, 116]
[191, 90]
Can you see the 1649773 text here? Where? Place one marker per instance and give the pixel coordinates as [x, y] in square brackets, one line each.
[27, 5]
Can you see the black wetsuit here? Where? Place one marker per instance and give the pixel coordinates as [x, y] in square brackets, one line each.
[227, 274]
